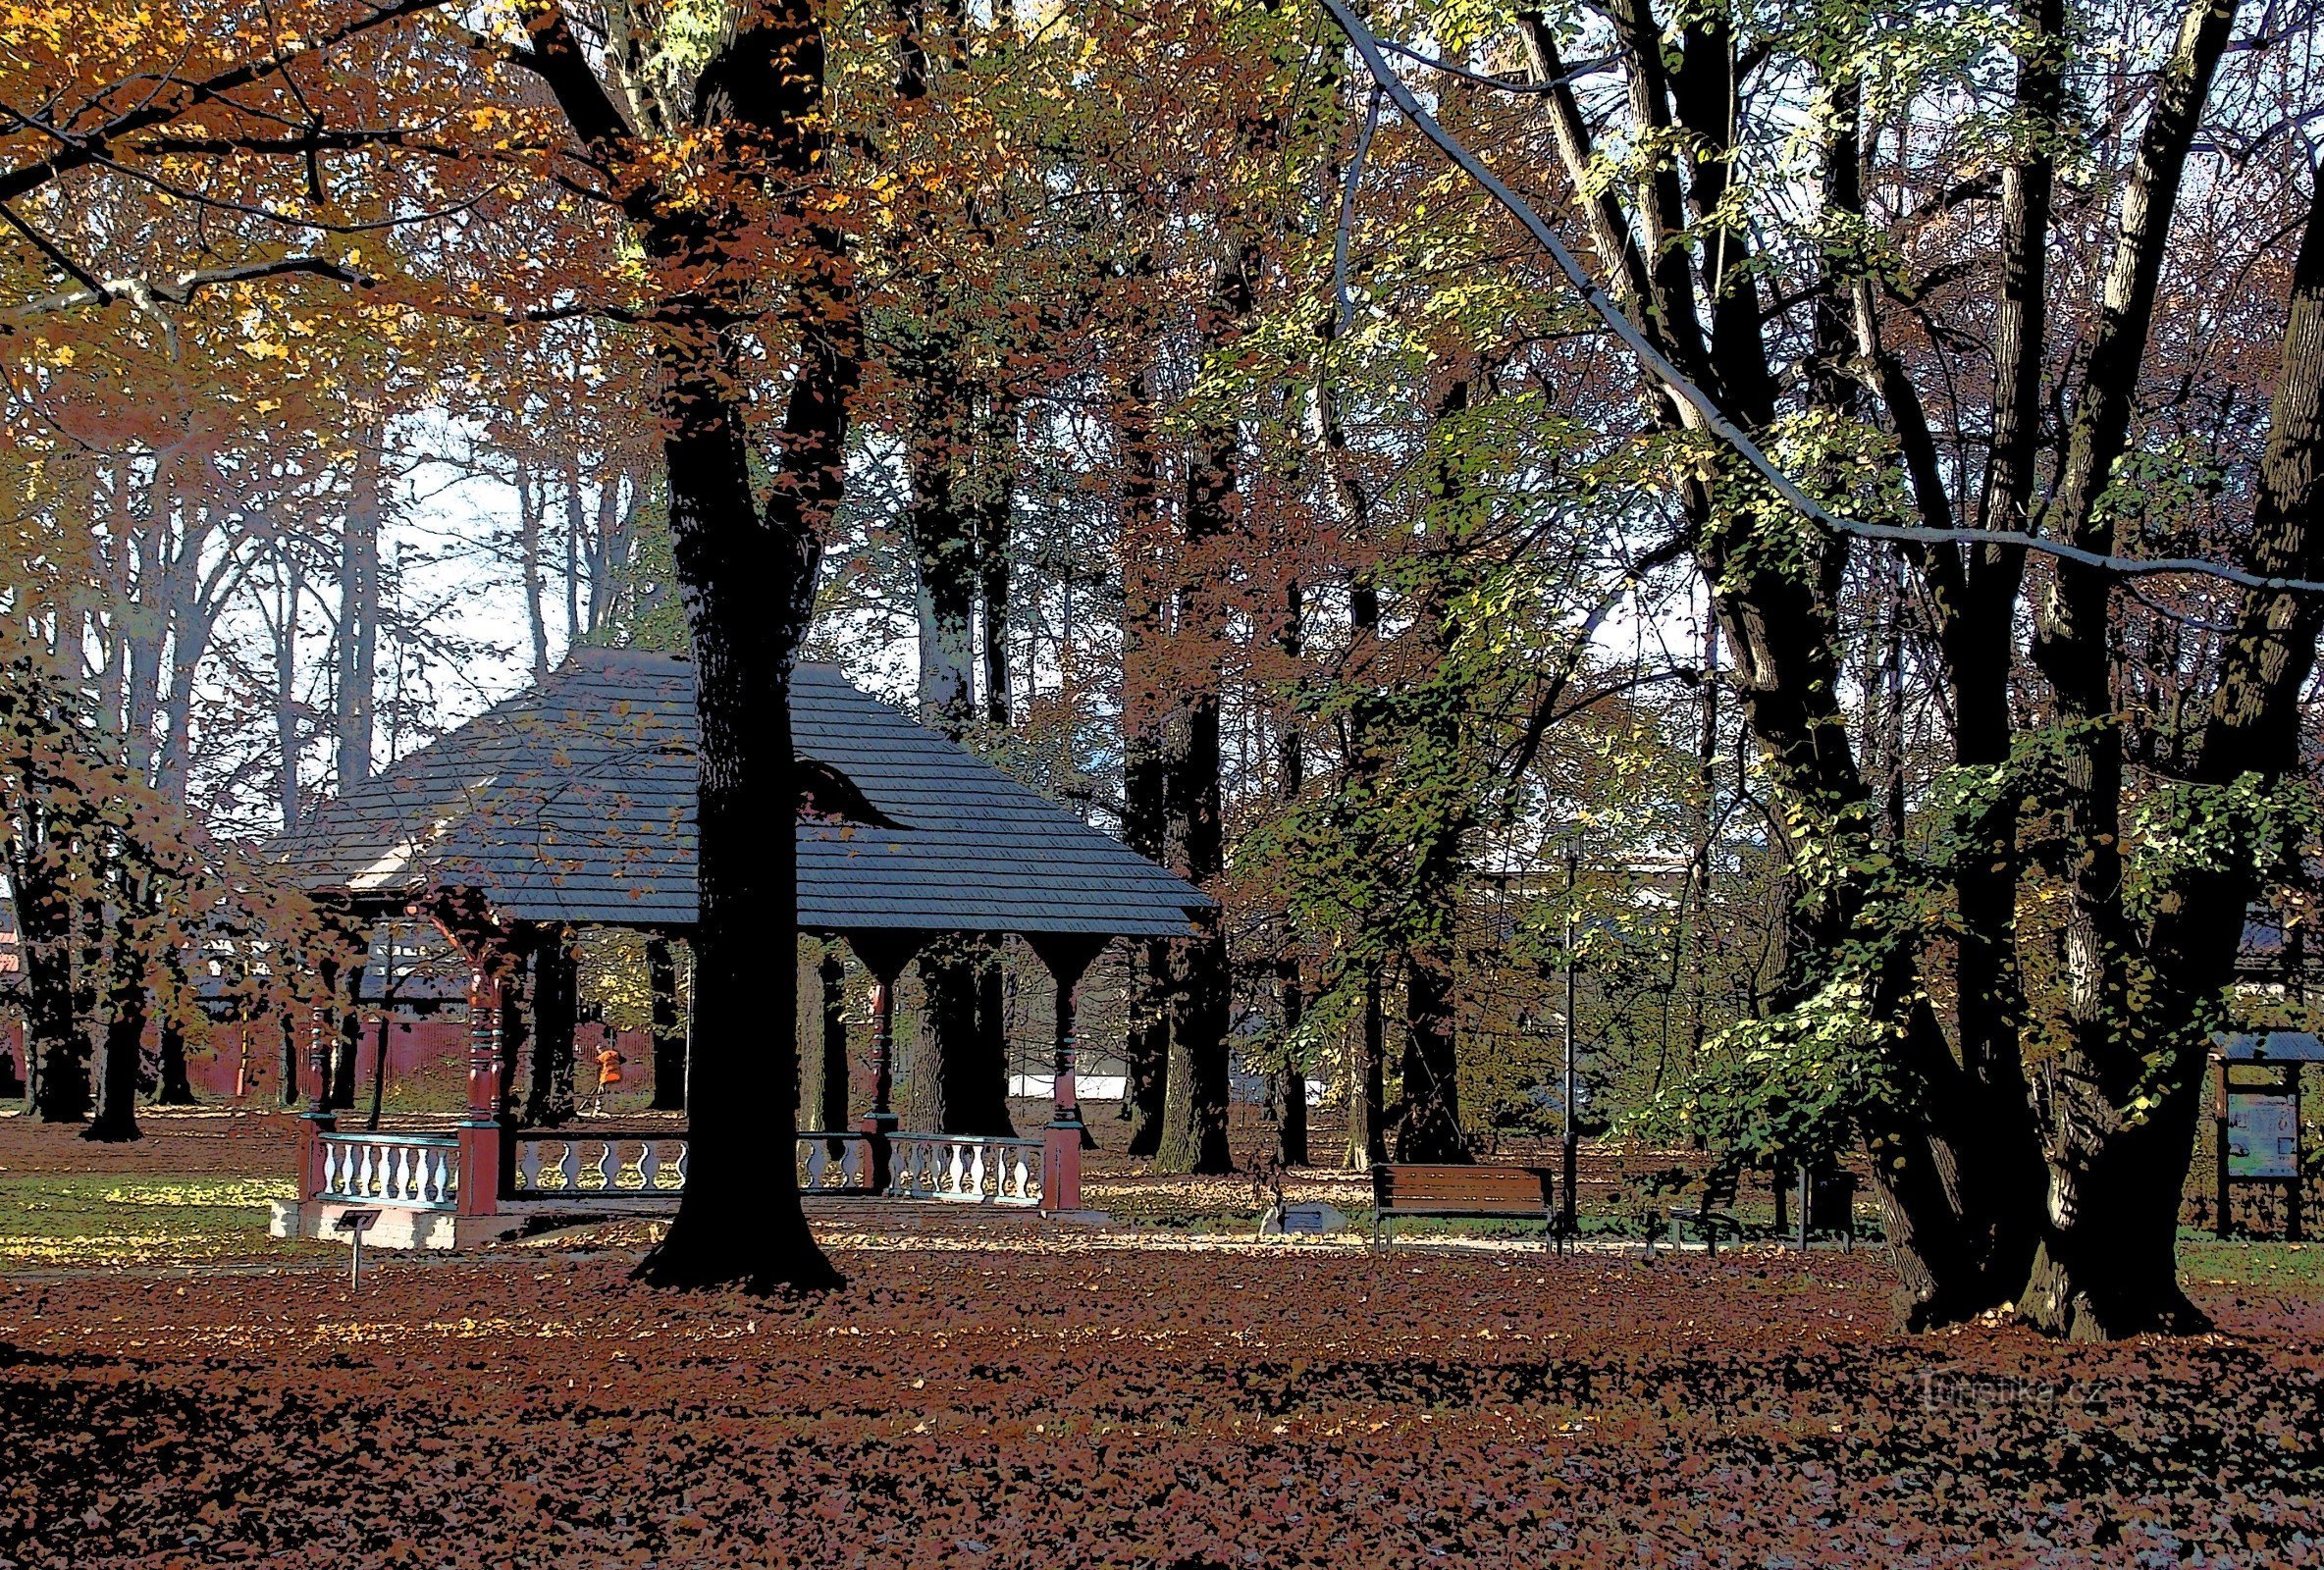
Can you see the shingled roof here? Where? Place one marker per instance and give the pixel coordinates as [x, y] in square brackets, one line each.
[574, 801]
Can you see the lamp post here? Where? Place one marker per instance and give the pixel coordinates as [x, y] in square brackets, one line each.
[1569, 1137]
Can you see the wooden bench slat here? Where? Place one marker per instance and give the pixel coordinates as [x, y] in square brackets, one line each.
[1480, 1191]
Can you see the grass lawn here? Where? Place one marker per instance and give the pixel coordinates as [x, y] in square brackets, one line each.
[2293, 1267]
[67, 1220]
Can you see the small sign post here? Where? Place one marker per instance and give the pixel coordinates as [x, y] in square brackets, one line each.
[355, 1224]
[2256, 1110]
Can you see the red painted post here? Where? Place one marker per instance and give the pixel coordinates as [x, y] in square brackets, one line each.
[1061, 1141]
[880, 1122]
[481, 1133]
[1067, 957]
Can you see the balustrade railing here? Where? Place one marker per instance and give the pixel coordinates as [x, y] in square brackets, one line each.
[966, 1170]
[834, 1163]
[412, 1171]
[600, 1166]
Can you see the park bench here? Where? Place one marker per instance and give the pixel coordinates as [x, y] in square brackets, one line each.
[1714, 1214]
[1470, 1194]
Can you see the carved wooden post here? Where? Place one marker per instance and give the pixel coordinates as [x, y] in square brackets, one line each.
[884, 955]
[318, 1119]
[483, 1136]
[1068, 956]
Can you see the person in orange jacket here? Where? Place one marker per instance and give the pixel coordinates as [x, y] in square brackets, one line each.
[608, 1075]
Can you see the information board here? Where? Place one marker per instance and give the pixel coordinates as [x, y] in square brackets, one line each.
[2262, 1134]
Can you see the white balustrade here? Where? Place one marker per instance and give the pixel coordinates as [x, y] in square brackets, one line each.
[966, 1170]
[410, 1171]
[820, 1170]
[600, 1166]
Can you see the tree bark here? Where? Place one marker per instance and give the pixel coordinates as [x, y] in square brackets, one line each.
[358, 608]
[120, 1054]
[1194, 1113]
[1367, 1093]
[1146, 774]
[1145, 1051]
[56, 1066]
[549, 1094]
[748, 576]
[286, 738]
[1195, 1087]
[2104, 1263]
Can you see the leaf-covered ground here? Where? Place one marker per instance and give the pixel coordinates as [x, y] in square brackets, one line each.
[1136, 1407]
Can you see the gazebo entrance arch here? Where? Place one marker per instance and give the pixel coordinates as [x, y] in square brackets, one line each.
[572, 806]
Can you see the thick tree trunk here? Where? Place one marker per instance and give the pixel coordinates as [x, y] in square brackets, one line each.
[119, 1057]
[2118, 1129]
[176, 1088]
[1194, 1113]
[961, 1080]
[1145, 1050]
[549, 1092]
[56, 1065]
[748, 575]
[1429, 1127]
[1146, 774]
[2123, 1112]
[1195, 1100]
[670, 1041]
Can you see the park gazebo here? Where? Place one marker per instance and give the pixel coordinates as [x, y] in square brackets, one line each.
[570, 806]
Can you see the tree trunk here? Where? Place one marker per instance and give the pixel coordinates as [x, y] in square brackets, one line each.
[1194, 1113]
[176, 1088]
[379, 1060]
[358, 608]
[286, 738]
[347, 1036]
[56, 1066]
[669, 1042]
[549, 1094]
[1367, 1095]
[1194, 1101]
[2106, 1265]
[1145, 1050]
[1429, 1129]
[748, 575]
[1291, 1122]
[2119, 1129]
[119, 1057]
[531, 503]
[1146, 776]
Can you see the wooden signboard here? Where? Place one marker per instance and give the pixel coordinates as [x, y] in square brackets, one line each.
[2256, 1105]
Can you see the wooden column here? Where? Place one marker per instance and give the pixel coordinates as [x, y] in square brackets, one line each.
[884, 954]
[1068, 956]
[318, 1119]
